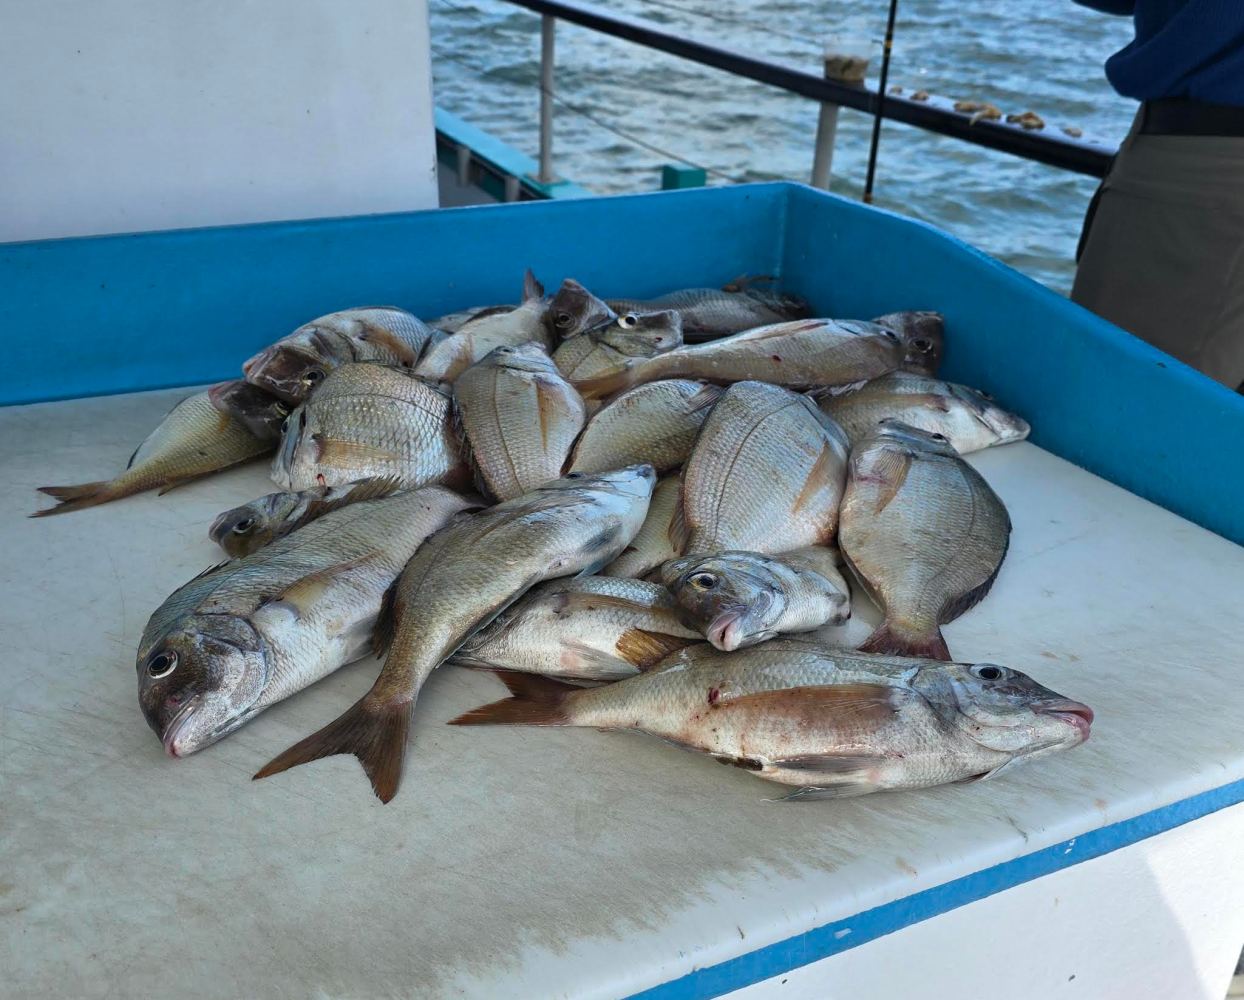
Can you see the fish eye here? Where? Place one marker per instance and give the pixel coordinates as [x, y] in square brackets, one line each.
[921, 344]
[940, 437]
[702, 581]
[243, 525]
[890, 334]
[988, 672]
[574, 475]
[563, 319]
[313, 376]
[161, 665]
[629, 321]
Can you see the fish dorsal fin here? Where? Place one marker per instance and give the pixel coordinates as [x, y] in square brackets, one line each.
[532, 289]
[704, 398]
[375, 488]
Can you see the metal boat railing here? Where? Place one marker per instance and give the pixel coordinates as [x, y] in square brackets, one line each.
[933, 115]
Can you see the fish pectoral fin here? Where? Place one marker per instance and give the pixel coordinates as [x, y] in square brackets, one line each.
[679, 533]
[812, 793]
[844, 704]
[891, 471]
[846, 767]
[645, 649]
[303, 593]
[332, 452]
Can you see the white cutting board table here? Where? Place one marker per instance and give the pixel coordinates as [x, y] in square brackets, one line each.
[571, 863]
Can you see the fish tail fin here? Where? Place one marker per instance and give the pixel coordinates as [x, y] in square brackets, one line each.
[375, 732]
[608, 384]
[75, 497]
[535, 701]
[885, 639]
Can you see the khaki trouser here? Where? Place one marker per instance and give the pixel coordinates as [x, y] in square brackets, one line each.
[1163, 255]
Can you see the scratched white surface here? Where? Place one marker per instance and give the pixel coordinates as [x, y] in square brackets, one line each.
[526, 863]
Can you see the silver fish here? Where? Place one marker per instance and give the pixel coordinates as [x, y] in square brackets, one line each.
[456, 353]
[194, 439]
[592, 628]
[250, 632]
[370, 421]
[766, 474]
[517, 418]
[655, 423]
[293, 366]
[739, 599]
[458, 583]
[718, 312]
[248, 528]
[653, 544]
[801, 354]
[970, 420]
[827, 721]
[923, 533]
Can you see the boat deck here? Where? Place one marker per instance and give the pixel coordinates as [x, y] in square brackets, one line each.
[557, 862]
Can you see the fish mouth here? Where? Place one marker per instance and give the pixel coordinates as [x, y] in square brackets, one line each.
[176, 724]
[1074, 713]
[724, 631]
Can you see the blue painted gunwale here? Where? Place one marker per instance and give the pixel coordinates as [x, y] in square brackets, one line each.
[124, 313]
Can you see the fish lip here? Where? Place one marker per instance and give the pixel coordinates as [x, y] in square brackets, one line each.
[723, 633]
[1075, 713]
[176, 724]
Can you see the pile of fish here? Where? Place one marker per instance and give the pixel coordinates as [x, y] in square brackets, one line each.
[640, 514]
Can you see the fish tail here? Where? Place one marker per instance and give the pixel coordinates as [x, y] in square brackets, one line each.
[76, 497]
[930, 645]
[536, 701]
[375, 732]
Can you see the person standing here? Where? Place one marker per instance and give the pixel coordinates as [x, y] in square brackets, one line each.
[1162, 252]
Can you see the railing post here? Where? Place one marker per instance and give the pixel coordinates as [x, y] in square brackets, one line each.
[547, 24]
[846, 69]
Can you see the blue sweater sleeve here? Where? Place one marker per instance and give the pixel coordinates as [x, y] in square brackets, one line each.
[1110, 6]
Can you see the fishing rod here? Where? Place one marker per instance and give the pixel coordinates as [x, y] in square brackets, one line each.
[881, 83]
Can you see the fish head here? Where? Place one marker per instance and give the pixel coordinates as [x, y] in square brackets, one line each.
[575, 310]
[912, 439]
[245, 529]
[256, 409]
[288, 371]
[287, 458]
[1007, 711]
[644, 334]
[1000, 425]
[924, 337]
[736, 598]
[201, 681]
